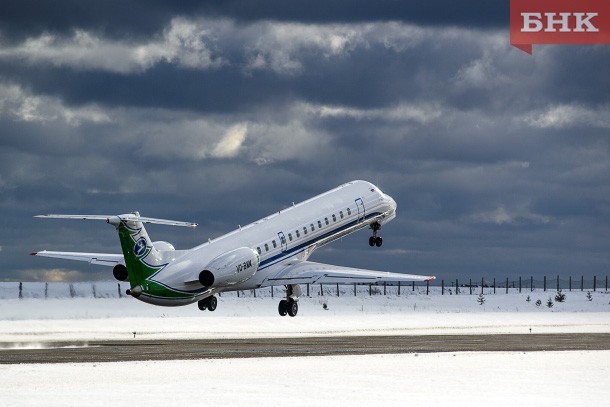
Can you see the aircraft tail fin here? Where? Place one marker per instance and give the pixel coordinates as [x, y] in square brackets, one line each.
[142, 259]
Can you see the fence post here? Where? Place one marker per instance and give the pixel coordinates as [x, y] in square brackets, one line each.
[93, 289]
[481, 285]
[606, 283]
[384, 286]
[582, 283]
[354, 289]
[119, 288]
[506, 285]
[545, 283]
[370, 290]
[337, 289]
[399, 285]
[307, 290]
[457, 289]
[20, 290]
[557, 282]
[427, 287]
[570, 283]
[237, 293]
[519, 284]
[532, 283]
[470, 286]
[413, 285]
[254, 292]
[321, 290]
[494, 285]
[46, 289]
[594, 282]
[442, 287]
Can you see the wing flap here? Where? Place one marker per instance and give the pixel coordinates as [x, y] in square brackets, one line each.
[102, 259]
[307, 272]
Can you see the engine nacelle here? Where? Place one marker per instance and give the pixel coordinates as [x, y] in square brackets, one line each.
[163, 246]
[230, 268]
[120, 272]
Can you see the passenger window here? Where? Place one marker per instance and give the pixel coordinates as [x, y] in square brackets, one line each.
[298, 235]
[290, 236]
[349, 212]
[326, 220]
[341, 214]
[304, 230]
[273, 242]
[258, 249]
[312, 228]
[334, 218]
[319, 225]
[266, 247]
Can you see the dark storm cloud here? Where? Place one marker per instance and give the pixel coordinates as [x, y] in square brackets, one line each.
[499, 161]
[22, 18]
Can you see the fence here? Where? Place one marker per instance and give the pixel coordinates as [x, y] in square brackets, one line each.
[108, 289]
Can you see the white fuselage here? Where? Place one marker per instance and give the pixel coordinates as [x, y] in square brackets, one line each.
[291, 233]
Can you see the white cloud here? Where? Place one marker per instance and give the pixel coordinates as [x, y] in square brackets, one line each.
[563, 116]
[21, 105]
[206, 43]
[421, 113]
[232, 141]
[182, 42]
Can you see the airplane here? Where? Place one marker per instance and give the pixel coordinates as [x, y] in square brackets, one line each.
[272, 251]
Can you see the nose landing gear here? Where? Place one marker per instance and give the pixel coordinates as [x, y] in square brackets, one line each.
[375, 240]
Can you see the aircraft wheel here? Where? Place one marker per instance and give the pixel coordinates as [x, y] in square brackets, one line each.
[372, 241]
[212, 303]
[202, 305]
[378, 241]
[283, 308]
[293, 308]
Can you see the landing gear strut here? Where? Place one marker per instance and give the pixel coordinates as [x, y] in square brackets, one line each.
[289, 306]
[209, 303]
[375, 240]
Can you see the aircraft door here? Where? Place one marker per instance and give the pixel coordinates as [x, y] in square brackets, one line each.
[360, 207]
[283, 242]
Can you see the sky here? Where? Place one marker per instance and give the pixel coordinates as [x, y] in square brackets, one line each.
[223, 112]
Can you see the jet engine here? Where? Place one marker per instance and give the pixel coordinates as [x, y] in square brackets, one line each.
[120, 272]
[230, 268]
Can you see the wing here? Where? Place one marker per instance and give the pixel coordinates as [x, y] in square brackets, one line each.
[103, 259]
[307, 272]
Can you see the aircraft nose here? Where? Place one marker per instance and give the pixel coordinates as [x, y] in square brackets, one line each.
[391, 202]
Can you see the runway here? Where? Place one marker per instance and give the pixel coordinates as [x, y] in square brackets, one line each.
[141, 350]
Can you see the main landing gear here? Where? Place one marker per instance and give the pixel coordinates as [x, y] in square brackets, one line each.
[289, 305]
[209, 303]
[375, 240]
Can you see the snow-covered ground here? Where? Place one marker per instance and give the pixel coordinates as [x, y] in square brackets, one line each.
[34, 320]
[530, 378]
[460, 379]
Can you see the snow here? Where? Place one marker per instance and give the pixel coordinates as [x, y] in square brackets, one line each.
[34, 320]
[499, 378]
[460, 379]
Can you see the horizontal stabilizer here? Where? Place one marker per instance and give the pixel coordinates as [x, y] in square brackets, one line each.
[115, 219]
[102, 259]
